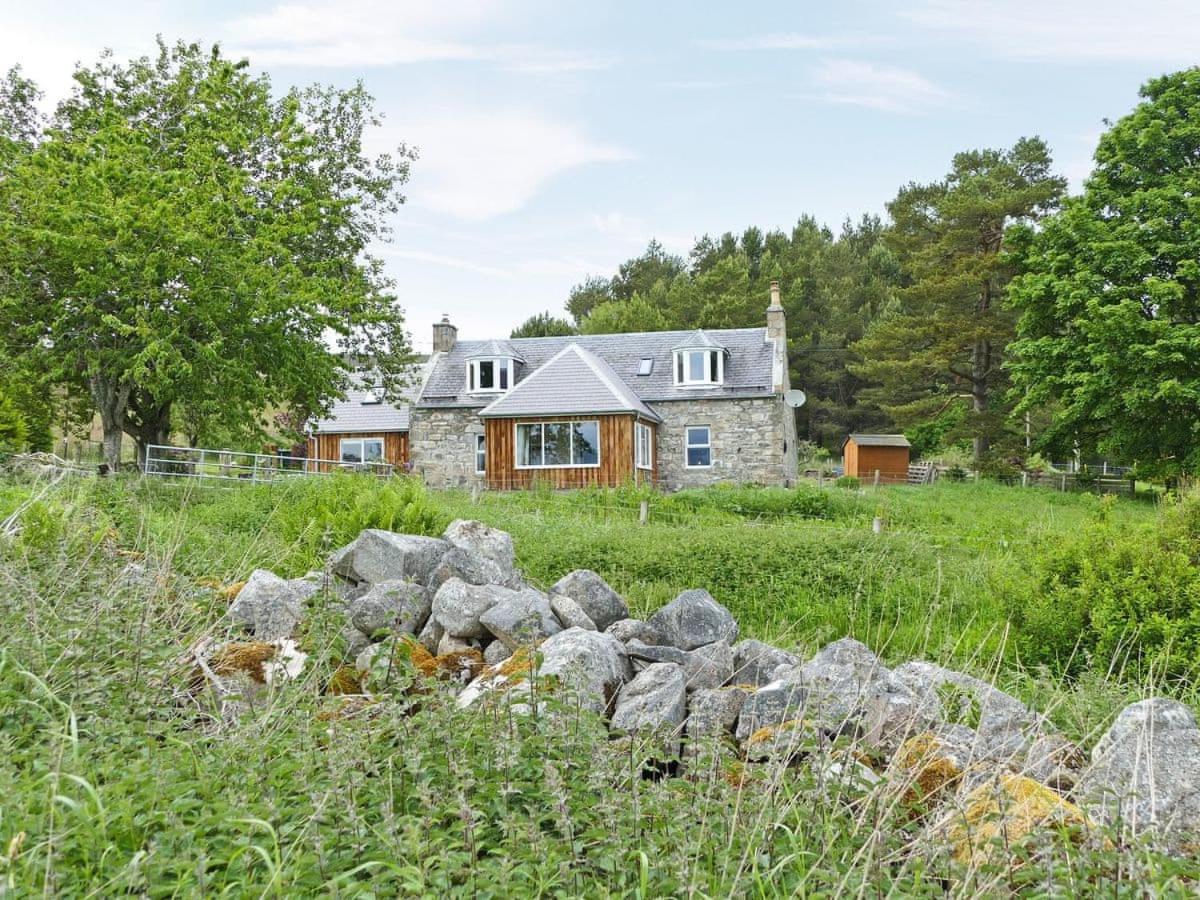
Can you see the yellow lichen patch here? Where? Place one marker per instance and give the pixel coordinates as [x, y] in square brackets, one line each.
[211, 582]
[230, 591]
[737, 774]
[243, 657]
[347, 708]
[999, 814]
[448, 665]
[930, 765]
[770, 732]
[518, 667]
[345, 680]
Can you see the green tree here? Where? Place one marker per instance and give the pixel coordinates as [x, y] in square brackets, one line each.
[623, 316]
[942, 342]
[1109, 298]
[13, 431]
[177, 239]
[543, 324]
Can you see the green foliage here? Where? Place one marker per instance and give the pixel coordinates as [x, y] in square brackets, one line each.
[942, 343]
[931, 436]
[1109, 301]
[1120, 596]
[831, 288]
[122, 785]
[803, 500]
[543, 324]
[850, 482]
[13, 431]
[120, 280]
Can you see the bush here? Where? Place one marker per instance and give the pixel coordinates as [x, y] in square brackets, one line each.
[849, 482]
[13, 429]
[1118, 595]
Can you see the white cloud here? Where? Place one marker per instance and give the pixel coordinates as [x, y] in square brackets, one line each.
[476, 164]
[887, 88]
[449, 262]
[1153, 31]
[789, 40]
[358, 33]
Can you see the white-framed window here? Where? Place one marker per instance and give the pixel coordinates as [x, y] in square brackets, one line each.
[361, 450]
[643, 446]
[697, 453]
[489, 376]
[480, 454]
[373, 395]
[696, 368]
[557, 445]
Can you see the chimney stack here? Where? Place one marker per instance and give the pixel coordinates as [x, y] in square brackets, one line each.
[777, 334]
[444, 335]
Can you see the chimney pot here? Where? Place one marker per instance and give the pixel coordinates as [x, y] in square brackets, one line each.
[775, 301]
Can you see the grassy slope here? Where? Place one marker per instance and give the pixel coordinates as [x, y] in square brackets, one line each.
[116, 788]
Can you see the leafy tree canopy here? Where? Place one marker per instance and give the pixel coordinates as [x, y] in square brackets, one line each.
[942, 341]
[1109, 298]
[177, 242]
[543, 324]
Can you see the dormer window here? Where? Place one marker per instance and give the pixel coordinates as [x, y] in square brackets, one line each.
[490, 375]
[699, 367]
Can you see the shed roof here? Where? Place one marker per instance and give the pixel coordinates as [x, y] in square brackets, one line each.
[878, 440]
[573, 381]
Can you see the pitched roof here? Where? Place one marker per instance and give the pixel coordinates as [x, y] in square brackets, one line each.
[354, 416]
[572, 381]
[496, 349]
[879, 440]
[699, 340]
[748, 366]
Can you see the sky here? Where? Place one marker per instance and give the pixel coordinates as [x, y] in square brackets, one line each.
[556, 138]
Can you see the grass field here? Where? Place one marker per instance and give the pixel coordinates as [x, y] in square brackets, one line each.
[116, 790]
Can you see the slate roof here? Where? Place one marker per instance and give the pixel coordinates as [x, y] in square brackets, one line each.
[748, 366]
[496, 348]
[698, 340]
[879, 440]
[574, 380]
[352, 416]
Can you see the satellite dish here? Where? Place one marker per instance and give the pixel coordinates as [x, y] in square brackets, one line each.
[795, 399]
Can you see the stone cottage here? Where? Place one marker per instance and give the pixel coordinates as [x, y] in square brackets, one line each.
[674, 408]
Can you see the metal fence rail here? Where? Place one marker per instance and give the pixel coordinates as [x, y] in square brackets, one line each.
[235, 465]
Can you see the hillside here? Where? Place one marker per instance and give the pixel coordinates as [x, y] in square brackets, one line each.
[120, 775]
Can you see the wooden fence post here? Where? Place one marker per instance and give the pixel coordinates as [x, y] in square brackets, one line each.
[877, 525]
[876, 478]
[644, 512]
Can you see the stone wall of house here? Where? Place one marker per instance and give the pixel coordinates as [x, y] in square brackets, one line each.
[748, 439]
[442, 446]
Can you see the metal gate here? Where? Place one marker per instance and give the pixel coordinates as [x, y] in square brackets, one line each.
[235, 465]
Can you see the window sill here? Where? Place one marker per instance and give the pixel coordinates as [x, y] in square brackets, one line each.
[567, 466]
[699, 384]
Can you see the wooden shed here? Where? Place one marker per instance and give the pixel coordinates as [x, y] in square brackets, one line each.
[887, 454]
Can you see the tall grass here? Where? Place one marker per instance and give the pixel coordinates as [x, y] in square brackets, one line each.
[120, 784]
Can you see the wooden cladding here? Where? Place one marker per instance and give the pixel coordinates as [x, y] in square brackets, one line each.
[862, 462]
[329, 446]
[616, 456]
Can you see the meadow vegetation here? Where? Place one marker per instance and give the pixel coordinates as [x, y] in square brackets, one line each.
[110, 783]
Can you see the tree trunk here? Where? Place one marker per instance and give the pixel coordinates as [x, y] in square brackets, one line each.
[111, 402]
[981, 360]
[148, 422]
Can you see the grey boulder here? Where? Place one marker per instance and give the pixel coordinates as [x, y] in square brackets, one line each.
[692, 620]
[394, 605]
[841, 679]
[705, 667]
[1145, 771]
[603, 605]
[653, 706]
[773, 704]
[570, 613]
[524, 618]
[377, 555]
[755, 663]
[589, 665]
[457, 606]
[626, 630]
[270, 605]
[480, 554]
[714, 711]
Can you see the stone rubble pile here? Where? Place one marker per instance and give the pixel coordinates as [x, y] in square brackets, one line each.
[681, 680]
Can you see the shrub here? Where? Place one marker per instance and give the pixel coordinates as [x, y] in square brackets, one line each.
[13, 430]
[1116, 594]
[849, 482]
